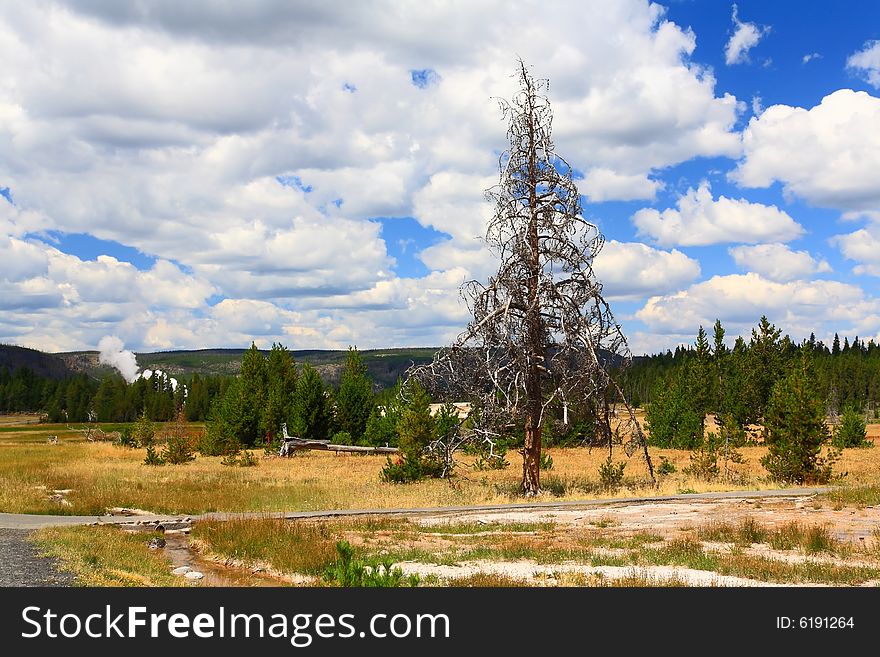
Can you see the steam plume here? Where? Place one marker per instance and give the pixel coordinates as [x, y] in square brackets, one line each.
[113, 353]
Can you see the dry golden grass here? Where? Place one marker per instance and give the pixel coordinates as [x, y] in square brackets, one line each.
[107, 556]
[102, 476]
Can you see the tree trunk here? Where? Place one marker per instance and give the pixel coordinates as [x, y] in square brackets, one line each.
[532, 459]
[534, 330]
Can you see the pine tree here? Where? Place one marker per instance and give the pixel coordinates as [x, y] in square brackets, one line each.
[252, 379]
[354, 402]
[795, 429]
[672, 418]
[144, 432]
[280, 392]
[852, 431]
[416, 429]
[703, 379]
[311, 419]
[765, 350]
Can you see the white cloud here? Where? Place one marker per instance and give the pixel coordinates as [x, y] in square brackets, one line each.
[866, 62]
[863, 246]
[828, 155]
[164, 128]
[600, 184]
[777, 262]
[806, 59]
[700, 220]
[745, 37]
[631, 270]
[739, 300]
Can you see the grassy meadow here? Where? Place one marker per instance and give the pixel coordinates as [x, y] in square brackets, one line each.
[77, 476]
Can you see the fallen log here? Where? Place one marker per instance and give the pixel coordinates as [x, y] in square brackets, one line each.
[290, 446]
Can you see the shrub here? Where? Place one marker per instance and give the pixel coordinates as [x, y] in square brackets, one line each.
[127, 438]
[404, 470]
[416, 430]
[178, 447]
[352, 572]
[611, 474]
[178, 450]
[666, 467]
[545, 462]
[704, 460]
[341, 438]
[491, 458]
[217, 442]
[143, 431]
[851, 432]
[242, 459]
[153, 457]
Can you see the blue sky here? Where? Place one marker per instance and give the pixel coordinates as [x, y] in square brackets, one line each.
[313, 175]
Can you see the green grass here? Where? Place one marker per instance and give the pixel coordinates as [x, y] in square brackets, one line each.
[812, 539]
[861, 496]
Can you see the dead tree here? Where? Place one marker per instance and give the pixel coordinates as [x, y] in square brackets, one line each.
[541, 334]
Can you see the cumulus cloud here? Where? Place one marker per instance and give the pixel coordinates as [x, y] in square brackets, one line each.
[863, 246]
[167, 129]
[827, 155]
[698, 220]
[740, 299]
[601, 184]
[866, 63]
[745, 37]
[631, 270]
[777, 262]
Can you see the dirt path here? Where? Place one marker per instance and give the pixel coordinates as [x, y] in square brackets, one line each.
[20, 565]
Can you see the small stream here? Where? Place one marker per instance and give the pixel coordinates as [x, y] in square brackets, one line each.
[215, 574]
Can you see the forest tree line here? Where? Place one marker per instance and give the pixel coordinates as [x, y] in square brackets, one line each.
[736, 384]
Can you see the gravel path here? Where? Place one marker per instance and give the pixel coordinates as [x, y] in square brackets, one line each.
[20, 565]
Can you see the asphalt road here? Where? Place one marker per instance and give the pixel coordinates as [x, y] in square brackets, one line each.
[20, 565]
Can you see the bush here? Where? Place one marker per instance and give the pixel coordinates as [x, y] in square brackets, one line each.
[178, 450]
[245, 459]
[341, 438]
[665, 467]
[127, 439]
[153, 457]
[611, 474]
[704, 460]
[352, 572]
[178, 446]
[851, 432]
[491, 458]
[143, 432]
[545, 462]
[416, 430]
[404, 470]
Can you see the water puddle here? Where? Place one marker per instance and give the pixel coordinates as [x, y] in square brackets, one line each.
[178, 551]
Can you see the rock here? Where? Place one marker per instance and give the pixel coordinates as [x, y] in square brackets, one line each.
[182, 570]
[194, 574]
[155, 543]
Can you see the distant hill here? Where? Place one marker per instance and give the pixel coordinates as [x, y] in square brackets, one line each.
[383, 365]
[42, 364]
